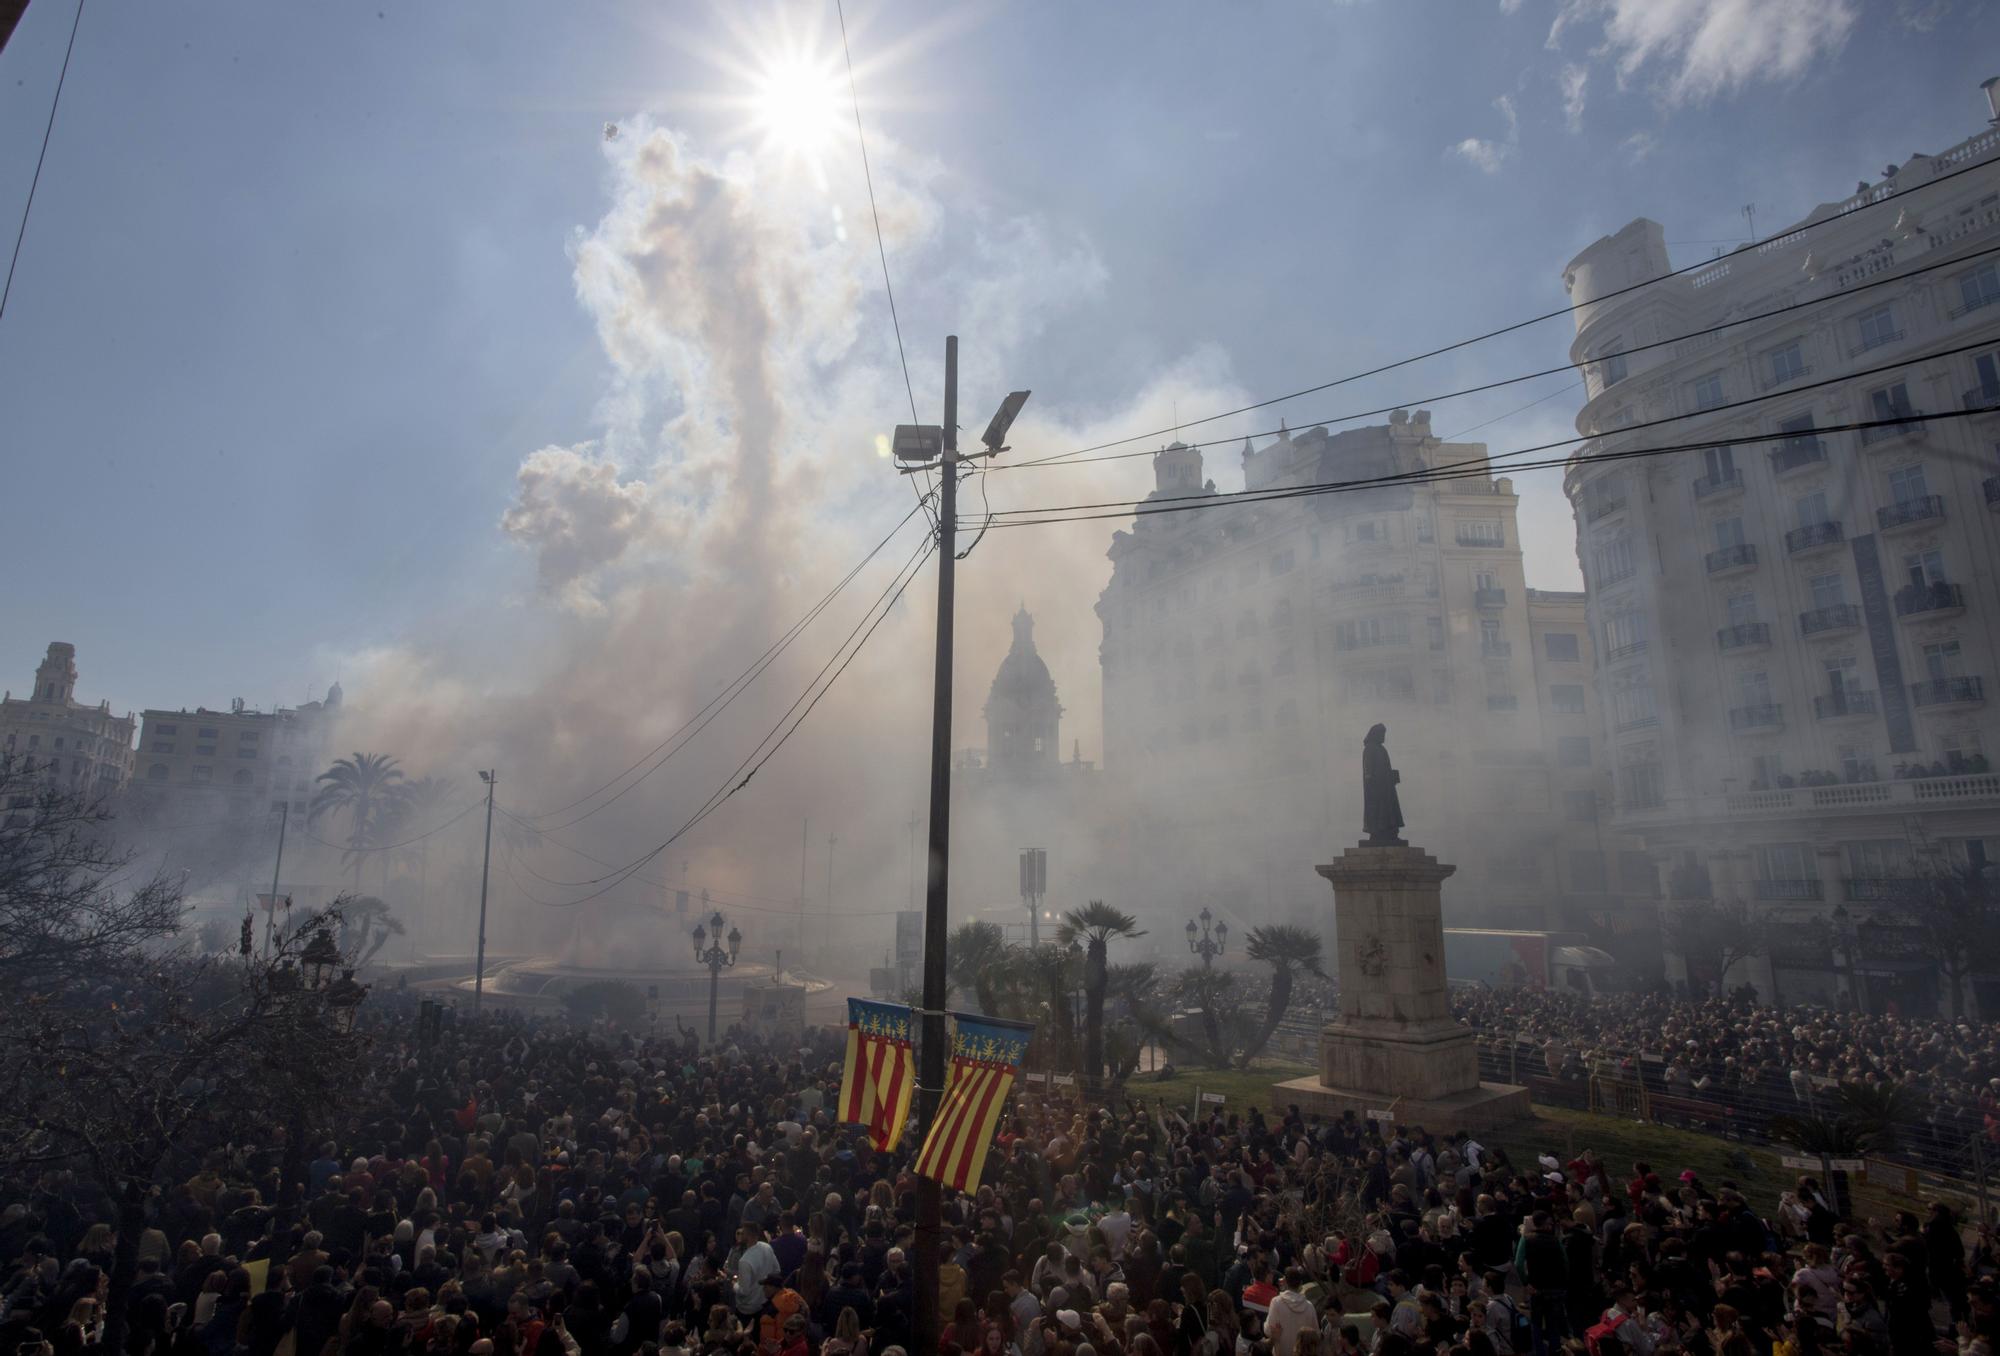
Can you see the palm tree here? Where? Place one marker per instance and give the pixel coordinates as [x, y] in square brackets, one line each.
[365, 926]
[976, 957]
[1287, 950]
[1096, 923]
[1135, 988]
[1207, 990]
[1048, 972]
[369, 787]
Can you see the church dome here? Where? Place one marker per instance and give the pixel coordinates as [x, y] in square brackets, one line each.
[1023, 677]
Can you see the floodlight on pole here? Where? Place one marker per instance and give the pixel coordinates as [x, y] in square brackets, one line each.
[995, 436]
[918, 444]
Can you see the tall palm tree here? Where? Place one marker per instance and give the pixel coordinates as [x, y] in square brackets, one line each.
[976, 959]
[1096, 923]
[365, 926]
[1287, 950]
[369, 788]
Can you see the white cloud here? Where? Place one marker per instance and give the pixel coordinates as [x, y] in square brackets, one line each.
[1488, 155]
[576, 514]
[1711, 47]
[1510, 6]
[1639, 145]
[1573, 79]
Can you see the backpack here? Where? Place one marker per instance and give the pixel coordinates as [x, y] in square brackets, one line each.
[1521, 1332]
[1597, 1337]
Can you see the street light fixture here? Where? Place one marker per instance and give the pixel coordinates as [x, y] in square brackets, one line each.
[320, 959]
[716, 957]
[1207, 942]
[343, 1000]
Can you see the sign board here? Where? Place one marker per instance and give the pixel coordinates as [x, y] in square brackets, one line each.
[1063, 1080]
[1811, 1163]
[1215, 1097]
[1380, 1115]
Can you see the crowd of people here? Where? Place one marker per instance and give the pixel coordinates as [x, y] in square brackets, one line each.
[518, 1187]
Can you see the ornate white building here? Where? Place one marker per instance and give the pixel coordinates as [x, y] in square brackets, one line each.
[78, 748]
[1799, 639]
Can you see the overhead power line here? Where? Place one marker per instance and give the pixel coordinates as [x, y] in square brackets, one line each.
[720, 702]
[390, 847]
[1786, 234]
[1485, 465]
[41, 155]
[1959, 261]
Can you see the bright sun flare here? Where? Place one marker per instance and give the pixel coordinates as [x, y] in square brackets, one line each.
[797, 105]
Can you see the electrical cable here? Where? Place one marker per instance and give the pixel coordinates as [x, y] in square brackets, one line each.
[389, 847]
[40, 156]
[1518, 409]
[1482, 465]
[1788, 233]
[1445, 475]
[881, 250]
[733, 689]
[739, 778]
[1073, 459]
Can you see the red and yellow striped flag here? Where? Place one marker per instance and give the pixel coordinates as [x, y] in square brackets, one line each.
[879, 1075]
[984, 1057]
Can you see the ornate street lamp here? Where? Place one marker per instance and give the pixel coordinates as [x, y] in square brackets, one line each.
[716, 957]
[1207, 942]
[319, 960]
[343, 1001]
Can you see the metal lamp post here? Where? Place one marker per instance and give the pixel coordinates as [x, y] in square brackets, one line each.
[1845, 937]
[716, 957]
[1207, 942]
[340, 998]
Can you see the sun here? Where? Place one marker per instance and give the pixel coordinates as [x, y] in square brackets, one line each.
[796, 102]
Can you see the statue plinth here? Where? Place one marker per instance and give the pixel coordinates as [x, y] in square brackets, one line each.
[1393, 1047]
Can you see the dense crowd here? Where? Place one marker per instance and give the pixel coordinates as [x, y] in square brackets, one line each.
[522, 1188]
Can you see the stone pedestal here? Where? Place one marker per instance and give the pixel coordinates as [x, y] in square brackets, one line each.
[1393, 1047]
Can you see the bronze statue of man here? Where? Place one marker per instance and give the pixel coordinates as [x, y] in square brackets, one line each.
[1381, 809]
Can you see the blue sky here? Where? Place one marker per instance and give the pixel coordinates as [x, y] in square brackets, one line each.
[299, 293]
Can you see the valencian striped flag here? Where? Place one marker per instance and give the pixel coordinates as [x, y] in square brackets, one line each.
[879, 1075]
[984, 1057]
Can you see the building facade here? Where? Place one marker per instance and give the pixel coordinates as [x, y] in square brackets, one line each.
[74, 746]
[242, 764]
[1799, 638]
[1250, 643]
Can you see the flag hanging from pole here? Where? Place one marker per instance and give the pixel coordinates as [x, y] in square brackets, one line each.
[985, 1055]
[879, 1074]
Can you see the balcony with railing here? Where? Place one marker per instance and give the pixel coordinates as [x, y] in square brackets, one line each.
[1930, 600]
[1496, 649]
[1984, 397]
[1796, 454]
[1876, 889]
[1489, 598]
[1848, 703]
[1786, 889]
[1730, 559]
[1891, 432]
[1915, 511]
[1787, 375]
[1761, 716]
[1948, 692]
[1813, 537]
[1627, 650]
[1719, 482]
[1467, 535]
[1743, 636]
[1594, 509]
[1868, 343]
[1830, 620]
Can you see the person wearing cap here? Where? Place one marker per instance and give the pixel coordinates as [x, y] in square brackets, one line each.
[783, 1307]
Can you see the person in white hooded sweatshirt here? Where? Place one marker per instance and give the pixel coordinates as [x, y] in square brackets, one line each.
[1291, 1314]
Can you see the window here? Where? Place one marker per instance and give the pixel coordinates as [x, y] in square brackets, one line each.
[1641, 785]
[1842, 674]
[59, 741]
[1828, 590]
[1786, 861]
[1482, 579]
[1728, 533]
[163, 746]
[1924, 568]
[1285, 664]
[202, 774]
[1788, 363]
[1988, 367]
[166, 729]
[1480, 532]
[1718, 463]
[204, 750]
[1755, 687]
[242, 776]
[1425, 532]
[1981, 287]
[1637, 875]
[1879, 858]
[1906, 485]
[157, 772]
[1489, 636]
[1586, 871]
[208, 733]
[1856, 764]
[1742, 608]
[1573, 750]
[1765, 769]
[1566, 698]
[1614, 560]
[1560, 647]
[1611, 371]
[1708, 391]
[1366, 530]
[1366, 631]
[1282, 563]
[1809, 510]
[1580, 807]
[1624, 633]
[247, 752]
[1887, 402]
[1941, 660]
[1878, 327]
[1281, 613]
[246, 736]
[1634, 706]
[1435, 626]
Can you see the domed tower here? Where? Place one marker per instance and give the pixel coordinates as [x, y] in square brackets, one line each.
[55, 678]
[1022, 712]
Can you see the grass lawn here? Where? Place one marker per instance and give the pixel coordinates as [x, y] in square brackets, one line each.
[1241, 1088]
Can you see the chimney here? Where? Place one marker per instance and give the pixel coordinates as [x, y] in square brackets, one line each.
[1992, 88]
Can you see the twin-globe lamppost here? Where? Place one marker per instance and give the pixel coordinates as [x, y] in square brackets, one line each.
[314, 976]
[1208, 943]
[716, 958]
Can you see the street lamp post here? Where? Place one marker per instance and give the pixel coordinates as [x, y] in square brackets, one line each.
[1208, 943]
[340, 1000]
[1845, 937]
[716, 957]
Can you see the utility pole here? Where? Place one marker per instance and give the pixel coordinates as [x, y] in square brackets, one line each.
[805, 850]
[830, 841]
[930, 1070]
[492, 779]
[271, 920]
